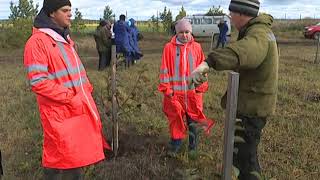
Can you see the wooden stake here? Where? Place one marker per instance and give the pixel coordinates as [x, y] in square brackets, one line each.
[115, 125]
[232, 98]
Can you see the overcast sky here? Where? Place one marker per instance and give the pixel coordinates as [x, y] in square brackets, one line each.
[144, 9]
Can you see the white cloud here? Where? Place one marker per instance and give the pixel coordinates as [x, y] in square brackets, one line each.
[144, 9]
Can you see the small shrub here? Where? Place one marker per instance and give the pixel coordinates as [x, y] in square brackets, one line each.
[16, 33]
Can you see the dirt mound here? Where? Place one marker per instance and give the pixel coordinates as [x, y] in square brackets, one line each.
[139, 157]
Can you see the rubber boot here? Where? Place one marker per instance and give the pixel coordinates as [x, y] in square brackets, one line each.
[174, 147]
[193, 139]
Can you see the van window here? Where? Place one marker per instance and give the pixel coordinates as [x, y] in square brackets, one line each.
[206, 21]
[196, 21]
[216, 20]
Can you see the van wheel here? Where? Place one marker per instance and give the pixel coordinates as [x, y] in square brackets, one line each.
[316, 35]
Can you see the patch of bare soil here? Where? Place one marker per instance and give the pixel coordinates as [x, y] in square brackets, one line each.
[139, 157]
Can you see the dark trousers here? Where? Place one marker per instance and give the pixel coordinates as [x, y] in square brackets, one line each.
[104, 59]
[246, 159]
[63, 174]
[220, 41]
[193, 136]
[129, 62]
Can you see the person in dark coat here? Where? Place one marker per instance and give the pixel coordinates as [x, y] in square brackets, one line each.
[223, 29]
[102, 38]
[134, 35]
[122, 33]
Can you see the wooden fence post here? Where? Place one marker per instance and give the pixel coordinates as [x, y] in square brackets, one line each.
[115, 125]
[316, 61]
[231, 112]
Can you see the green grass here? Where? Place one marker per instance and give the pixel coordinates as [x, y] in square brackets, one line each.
[289, 146]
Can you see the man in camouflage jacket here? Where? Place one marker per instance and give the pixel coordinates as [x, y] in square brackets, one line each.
[255, 57]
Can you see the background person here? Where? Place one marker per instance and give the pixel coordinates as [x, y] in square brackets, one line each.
[122, 35]
[255, 56]
[181, 102]
[135, 36]
[102, 38]
[223, 29]
[72, 130]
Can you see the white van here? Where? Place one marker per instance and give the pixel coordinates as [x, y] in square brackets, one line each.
[207, 26]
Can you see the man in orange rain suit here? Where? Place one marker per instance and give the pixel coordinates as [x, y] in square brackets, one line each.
[180, 57]
[70, 120]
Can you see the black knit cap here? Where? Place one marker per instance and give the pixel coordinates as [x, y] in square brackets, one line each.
[246, 7]
[49, 6]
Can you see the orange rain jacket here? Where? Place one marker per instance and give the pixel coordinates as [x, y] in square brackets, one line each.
[70, 120]
[178, 61]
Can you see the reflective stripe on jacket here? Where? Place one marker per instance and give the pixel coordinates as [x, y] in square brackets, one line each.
[178, 61]
[70, 119]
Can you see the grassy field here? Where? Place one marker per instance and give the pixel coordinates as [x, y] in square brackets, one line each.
[289, 147]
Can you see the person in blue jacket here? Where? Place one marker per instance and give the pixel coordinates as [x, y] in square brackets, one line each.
[133, 39]
[223, 28]
[121, 31]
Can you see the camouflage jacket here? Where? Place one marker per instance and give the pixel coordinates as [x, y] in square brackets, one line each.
[255, 56]
[102, 38]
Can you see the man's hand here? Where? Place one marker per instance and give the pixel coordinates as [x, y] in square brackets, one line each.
[199, 75]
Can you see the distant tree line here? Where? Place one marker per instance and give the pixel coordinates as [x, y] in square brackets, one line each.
[23, 13]
[19, 25]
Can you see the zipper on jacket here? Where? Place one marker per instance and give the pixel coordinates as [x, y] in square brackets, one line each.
[184, 76]
[81, 85]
